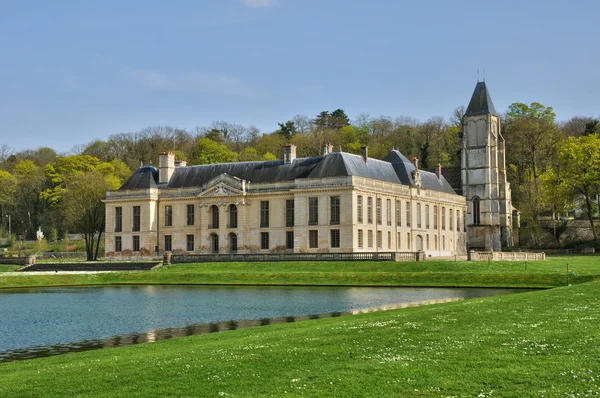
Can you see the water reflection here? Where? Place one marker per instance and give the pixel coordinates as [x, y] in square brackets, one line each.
[154, 336]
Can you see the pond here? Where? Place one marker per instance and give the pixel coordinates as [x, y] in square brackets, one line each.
[48, 321]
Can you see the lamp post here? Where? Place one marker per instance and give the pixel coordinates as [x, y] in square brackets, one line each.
[9, 231]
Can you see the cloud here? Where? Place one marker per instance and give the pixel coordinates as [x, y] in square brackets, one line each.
[259, 3]
[191, 82]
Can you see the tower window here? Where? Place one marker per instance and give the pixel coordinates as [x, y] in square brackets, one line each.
[476, 211]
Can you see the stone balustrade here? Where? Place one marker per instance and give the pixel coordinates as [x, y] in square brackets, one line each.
[505, 256]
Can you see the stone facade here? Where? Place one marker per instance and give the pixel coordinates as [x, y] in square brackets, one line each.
[361, 210]
[490, 214]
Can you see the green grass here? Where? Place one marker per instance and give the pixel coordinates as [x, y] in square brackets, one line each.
[543, 343]
[9, 267]
[549, 273]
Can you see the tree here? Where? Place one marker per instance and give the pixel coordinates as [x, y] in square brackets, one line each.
[338, 119]
[84, 210]
[532, 140]
[579, 159]
[287, 129]
[211, 152]
[8, 188]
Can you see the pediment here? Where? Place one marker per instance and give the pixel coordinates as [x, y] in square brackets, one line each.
[222, 185]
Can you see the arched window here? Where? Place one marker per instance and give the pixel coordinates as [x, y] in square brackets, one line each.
[214, 243]
[476, 211]
[233, 246]
[214, 211]
[232, 216]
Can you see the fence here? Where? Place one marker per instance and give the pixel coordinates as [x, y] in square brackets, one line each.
[274, 257]
[505, 256]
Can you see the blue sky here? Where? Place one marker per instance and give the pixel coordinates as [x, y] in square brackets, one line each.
[74, 71]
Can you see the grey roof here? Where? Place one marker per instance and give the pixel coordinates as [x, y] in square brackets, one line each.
[144, 178]
[394, 168]
[481, 102]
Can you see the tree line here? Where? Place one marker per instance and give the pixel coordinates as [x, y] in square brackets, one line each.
[551, 165]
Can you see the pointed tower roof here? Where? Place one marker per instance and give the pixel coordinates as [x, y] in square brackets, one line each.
[481, 102]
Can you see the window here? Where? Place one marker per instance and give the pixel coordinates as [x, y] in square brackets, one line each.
[458, 220]
[379, 239]
[443, 218]
[190, 215]
[168, 243]
[419, 215]
[233, 246]
[359, 209]
[476, 211]
[360, 239]
[136, 243]
[289, 240]
[427, 216]
[389, 246]
[233, 216]
[370, 239]
[378, 210]
[136, 219]
[118, 244]
[334, 210]
[313, 211]
[168, 216]
[427, 242]
[398, 213]
[264, 213]
[214, 213]
[370, 210]
[399, 241]
[289, 213]
[443, 242]
[408, 214]
[313, 239]
[450, 219]
[388, 211]
[335, 238]
[264, 240]
[118, 219]
[189, 245]
[435, 217]
[408, 240]
[214, 243]
[435, 242]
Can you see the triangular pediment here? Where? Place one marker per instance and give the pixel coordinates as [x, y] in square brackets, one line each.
[222, 185]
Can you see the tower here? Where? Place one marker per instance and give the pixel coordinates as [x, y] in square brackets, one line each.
[483, 174]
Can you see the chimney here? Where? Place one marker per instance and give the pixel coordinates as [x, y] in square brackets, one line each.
[364, 152]
[166, 167]
[327, 148]
[180, 163]
[416, 162]
[289, 153]
[439, 171]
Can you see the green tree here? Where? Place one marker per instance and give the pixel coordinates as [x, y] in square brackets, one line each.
[210, 152]
[287, 129]
[579, 159]
[338, 119]
[83, 208]
[8, 188]
[532, 141]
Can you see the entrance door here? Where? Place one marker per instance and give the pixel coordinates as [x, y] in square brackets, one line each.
[419, 243]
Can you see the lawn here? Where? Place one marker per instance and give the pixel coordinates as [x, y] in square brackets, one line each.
[543, 343]
[548, 273]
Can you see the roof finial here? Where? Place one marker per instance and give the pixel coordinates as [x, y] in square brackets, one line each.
[477, 73]
[484, 75]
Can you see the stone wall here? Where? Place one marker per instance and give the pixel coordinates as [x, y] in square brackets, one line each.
[567, 232]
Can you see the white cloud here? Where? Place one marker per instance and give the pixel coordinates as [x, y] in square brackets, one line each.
[193, 81]
[259, 3]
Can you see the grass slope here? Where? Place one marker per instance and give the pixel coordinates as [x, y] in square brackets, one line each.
[544, 343]
[549, 273]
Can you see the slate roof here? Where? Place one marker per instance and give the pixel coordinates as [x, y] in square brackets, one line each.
[394, 168]
[481, 102]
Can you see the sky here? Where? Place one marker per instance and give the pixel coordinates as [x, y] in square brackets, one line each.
[73, 71]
